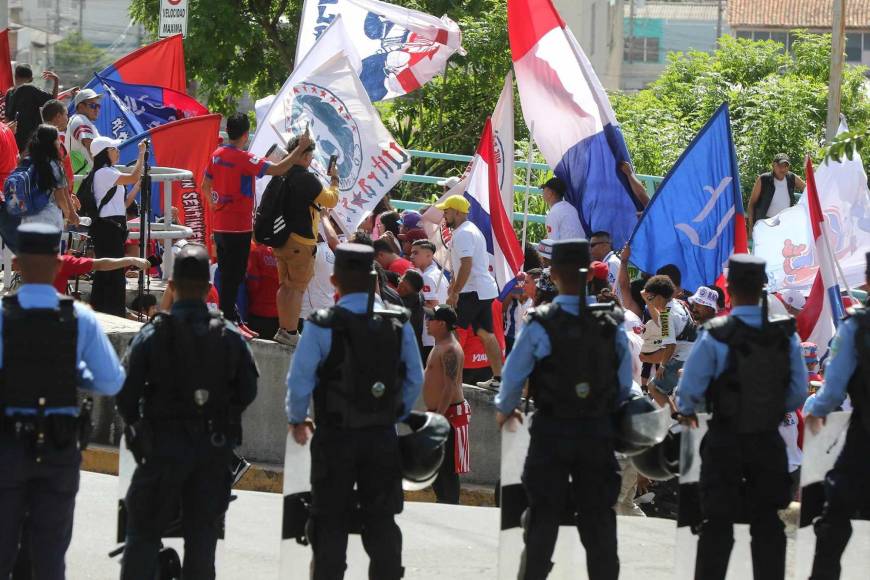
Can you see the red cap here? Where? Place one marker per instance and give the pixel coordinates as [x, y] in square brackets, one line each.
[413, 235]
[599, 270]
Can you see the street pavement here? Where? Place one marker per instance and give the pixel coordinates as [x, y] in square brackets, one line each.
[440, 542]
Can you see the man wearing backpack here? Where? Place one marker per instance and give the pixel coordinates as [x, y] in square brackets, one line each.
[303, 198]
[229, 183]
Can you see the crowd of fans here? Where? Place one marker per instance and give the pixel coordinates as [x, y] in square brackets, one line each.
[420, 265]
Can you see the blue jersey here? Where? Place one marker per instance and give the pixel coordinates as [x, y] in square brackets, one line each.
[99, 369]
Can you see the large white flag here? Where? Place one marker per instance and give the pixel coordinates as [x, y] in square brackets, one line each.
[401, 49]
[332, 42]
[332, 103]
[503, 142]
[786, 242]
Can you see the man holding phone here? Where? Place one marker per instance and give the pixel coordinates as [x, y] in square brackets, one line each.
[304, 198]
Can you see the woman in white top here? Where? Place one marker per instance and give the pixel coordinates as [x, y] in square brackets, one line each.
[109, 229]
[44, 153]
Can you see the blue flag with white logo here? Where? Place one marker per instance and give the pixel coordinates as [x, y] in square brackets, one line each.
[695, 220]
[116, 120]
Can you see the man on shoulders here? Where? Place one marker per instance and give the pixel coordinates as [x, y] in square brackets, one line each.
[773, 192]
[563, 223]
[24, 101]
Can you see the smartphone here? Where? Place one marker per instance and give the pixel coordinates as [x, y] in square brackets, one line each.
[332, 161]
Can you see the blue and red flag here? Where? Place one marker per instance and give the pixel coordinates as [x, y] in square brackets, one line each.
[571, 118]
[152, 105]
[488, 213]
[696, 220]
[115, 119]
[160, 64]
[818, 320]
[184, 144]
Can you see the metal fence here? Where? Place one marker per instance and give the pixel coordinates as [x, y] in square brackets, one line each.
[649, 181]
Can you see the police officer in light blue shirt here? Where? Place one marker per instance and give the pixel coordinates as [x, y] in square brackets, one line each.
[579, 371]
[360, 364]
[848, 371]
[50, 346]
[748, 372]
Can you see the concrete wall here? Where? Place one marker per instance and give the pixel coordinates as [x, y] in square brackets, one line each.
[265, 421]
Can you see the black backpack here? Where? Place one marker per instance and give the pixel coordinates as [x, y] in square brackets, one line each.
[90, 208]
[270, 225]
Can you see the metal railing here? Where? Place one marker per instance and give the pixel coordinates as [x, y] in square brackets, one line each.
[650, 182]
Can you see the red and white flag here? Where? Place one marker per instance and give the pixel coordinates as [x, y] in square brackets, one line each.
[818, 320]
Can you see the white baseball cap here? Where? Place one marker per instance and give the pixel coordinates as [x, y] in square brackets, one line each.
[705, 297]
[101, 143]
[84, 95]
[545, 248]
[449, 183]
[794, 298]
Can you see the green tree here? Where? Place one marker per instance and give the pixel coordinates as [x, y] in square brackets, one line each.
[75, 60]
[234, 47]
[778, 103]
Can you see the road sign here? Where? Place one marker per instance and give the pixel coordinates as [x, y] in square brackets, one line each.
[173, 18]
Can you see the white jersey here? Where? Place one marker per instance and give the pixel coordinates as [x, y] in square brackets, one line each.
[788, 429]
[320, 292]
[468, 242]
[80, 128]
[563, 223]
[434, 288]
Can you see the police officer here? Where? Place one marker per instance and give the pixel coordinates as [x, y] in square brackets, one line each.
[848, 371]
[360, 362]
[190, 376]
[579, 371]
[50, 345]
[749, 371]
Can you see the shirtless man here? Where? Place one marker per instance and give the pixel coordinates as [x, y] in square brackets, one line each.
[442, 393]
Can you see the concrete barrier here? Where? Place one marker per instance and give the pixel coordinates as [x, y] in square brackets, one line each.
[265, 421]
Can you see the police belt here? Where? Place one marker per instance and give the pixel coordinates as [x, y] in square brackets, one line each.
[218, 429]
[57, 431]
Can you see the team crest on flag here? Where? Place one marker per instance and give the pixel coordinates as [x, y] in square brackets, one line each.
[333, 104]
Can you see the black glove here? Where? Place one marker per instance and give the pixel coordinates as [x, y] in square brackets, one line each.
[140, 440]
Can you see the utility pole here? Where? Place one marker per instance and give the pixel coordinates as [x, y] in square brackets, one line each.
[4, 14]
[57, 16]
[838, 49]
[719, 11]
[630, 31]
[82, 18]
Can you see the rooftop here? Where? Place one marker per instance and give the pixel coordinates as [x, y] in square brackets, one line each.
[812, 14]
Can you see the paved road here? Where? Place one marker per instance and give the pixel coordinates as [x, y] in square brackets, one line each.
[455, 542]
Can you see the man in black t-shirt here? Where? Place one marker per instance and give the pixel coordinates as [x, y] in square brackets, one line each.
[24, 101]
[304, 196]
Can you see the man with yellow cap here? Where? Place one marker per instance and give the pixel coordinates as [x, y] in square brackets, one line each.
[472, 288]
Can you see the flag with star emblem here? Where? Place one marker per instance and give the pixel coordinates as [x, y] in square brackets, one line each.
[332, 104]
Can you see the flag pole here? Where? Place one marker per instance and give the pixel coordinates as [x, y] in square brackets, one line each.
[528, 184]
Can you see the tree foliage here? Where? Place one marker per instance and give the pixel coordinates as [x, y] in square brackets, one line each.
[778, 103]
[75, 58]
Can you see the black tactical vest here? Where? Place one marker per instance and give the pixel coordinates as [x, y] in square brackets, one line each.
[579, 379]
[190, 368]
[39, 355]
[749, 396]
[359, 384]
[768, 189]
[859, 384]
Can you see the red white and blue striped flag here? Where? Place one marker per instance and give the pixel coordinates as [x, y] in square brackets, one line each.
[818, 320]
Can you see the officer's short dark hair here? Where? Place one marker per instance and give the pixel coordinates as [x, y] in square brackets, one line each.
[23, 72]
[381, 245]
[556, 185]
[672, 272]
[52, 109]
[660, 285]
[237, 125]
[350, 281]
[413, 278]
[745, 288]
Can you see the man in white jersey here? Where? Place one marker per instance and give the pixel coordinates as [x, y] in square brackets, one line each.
[81, 130]
[562, 222]
[434, 283]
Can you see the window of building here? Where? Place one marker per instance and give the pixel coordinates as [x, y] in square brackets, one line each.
[854, 47]
[642, 49]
